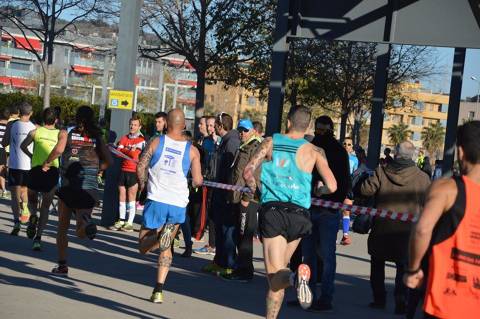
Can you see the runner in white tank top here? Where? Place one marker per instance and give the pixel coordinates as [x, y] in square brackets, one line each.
[168, 159]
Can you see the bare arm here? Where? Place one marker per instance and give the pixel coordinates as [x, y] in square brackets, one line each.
[26, 142]
[57, 150]
[324, 170]
[197, 178]
[6, 136]
[144, 162]
[262, 152]
[103, 154]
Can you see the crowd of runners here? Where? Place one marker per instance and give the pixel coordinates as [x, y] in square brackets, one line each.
[437, 258]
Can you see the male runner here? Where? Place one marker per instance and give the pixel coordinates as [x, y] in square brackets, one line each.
[449, 227]
[286, 182]
[19, 165]
[83, 152]
[44, 139]
[131, 145]
[353, 164]
[168, 159]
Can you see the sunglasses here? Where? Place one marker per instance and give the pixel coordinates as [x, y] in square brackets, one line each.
[242, 130]
[347, 144]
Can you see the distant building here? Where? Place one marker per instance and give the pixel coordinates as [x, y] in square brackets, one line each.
[469, 111]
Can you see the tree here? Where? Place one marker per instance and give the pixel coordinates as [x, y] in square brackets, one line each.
[46, 20]
[217, 38]
[398, 133]
[432, 138]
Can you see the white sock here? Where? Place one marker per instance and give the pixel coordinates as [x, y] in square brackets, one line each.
[131, 212]
[123, 210]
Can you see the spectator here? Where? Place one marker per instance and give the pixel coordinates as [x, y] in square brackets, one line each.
[245, 205]
[437, 173]
[258, 128]
[427, 167]
[325, 220]
[388, 158]
[160, 123]
[353, 164]
[202, 129]
[399, 187]
[223, 216]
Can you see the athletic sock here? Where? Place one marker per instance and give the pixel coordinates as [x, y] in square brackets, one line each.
[131, 212]
[158, 287]
[123, 210]
[346, 225]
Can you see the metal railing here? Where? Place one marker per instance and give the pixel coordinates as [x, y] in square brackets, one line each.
[16, 73]
[17, 53]
[87, 63]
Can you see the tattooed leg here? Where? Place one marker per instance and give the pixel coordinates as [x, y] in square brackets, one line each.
[274, 302]
[164, 262]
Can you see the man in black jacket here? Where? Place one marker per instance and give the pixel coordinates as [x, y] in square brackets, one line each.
[326, 221]
[223, 216]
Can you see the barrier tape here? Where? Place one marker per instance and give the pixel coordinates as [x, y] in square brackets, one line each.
[359, 210]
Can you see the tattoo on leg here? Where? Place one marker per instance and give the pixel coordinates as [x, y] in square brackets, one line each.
[164, 261]
[273, 307]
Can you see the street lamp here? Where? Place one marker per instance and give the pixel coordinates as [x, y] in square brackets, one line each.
[473, 78]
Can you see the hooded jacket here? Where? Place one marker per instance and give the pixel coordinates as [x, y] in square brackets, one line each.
[401, 187]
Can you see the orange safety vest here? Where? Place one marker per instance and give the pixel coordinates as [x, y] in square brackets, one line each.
[453, 287]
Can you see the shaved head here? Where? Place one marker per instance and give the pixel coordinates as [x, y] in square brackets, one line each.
[176, 120]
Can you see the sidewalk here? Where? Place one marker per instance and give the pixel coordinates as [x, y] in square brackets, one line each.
[108, 278]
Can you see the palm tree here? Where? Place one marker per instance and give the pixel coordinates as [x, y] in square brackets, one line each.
[433, 138]
[398, 133]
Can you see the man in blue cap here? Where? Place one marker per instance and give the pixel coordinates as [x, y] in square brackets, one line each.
[244, 206]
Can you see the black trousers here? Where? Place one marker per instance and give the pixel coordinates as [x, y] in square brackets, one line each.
[247, 224]
[377, 280]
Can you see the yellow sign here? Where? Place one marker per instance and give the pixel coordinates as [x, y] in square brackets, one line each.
[122, 100]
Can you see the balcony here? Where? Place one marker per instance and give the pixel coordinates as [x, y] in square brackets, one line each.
[88, 63]
[16, 73]
[17, 53]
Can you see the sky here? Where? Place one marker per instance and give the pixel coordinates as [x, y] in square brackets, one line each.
[472, 68]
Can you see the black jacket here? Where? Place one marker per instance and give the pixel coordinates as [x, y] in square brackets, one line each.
[221, 162]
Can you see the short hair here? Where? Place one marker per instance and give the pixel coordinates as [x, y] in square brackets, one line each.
[299, 117]
[258, 126]
[387, 150]
[161, 114]
[405, 150]
[468, 137]
[49, 116]
[5, 113]
[325, 120]
[25, 108]
[14, 109]
[209, 118]
[135, 117]
[225, 120]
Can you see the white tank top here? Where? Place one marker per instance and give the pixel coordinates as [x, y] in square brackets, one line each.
[18, 132]
[167, 173]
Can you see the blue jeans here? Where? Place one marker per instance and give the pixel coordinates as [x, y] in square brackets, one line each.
[323, 239]
[225, 241]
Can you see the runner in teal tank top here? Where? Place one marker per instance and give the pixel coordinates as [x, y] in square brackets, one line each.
[288, 161]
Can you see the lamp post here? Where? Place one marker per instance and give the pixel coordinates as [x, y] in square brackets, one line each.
[473, 78]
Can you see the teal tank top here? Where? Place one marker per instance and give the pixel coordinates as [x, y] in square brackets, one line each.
[282, 180]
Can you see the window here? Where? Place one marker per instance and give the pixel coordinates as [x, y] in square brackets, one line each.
[419, 105]
[252, 101]
[443, 108]
[443, 123]
[416, 136]
[66, 52]
[396, 118]
[2, 64]
[471, 115]
[397, 103]
[416, 120]
[386, 117]
[19, 66]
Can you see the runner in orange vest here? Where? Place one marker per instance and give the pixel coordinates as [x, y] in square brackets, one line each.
[449, 227]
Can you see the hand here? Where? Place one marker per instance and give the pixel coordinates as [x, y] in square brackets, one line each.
[244, 203]
[321, 189]
[45, 167]
[413, 280]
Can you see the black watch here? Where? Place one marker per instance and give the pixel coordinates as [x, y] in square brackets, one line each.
[413, 272]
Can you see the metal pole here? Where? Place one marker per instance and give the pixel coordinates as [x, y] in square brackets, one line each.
[125, 69]
[453, 111]
[160, 87]
[106, 72]
[175, 92]
[277, 76]
[92, 100]
[378, 104]
[135, 96]
[164, 97]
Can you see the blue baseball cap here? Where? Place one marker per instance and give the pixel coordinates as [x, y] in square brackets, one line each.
[246, 124]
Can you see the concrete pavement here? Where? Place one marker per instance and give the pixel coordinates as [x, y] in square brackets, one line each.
[108, 278]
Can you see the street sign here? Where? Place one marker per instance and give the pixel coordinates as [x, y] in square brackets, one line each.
[122, 100]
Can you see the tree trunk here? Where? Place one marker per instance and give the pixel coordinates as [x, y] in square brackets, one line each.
[46, 86]
[356, 129]
[343, 124]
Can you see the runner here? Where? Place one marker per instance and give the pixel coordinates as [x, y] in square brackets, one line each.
[44, 140]
[353, 164]
[168, 159]
[83, 153]
[131, 145]
[449, 229]
[19, 165]
[286, 180]
[3, 153]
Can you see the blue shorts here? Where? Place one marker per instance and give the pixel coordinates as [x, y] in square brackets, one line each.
[156, 214]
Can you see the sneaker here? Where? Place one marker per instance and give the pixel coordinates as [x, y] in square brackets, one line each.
[37, 246]
[165, 237]
[212, 268]
[139, 206]
[187, 253]
[346, 240]
[321, 307]
[197, 240]
[304, 294]
[32, 226]
[205, 250]
[237, 277]
[7, 195]
[127, 228]
[24, 214]
[157, 297]
[16, 229]
[118, 225]
[224, 272]
[60, 270]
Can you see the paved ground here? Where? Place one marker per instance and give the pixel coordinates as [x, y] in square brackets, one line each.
[108, 278]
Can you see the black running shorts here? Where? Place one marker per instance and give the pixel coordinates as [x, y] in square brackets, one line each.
[127, 179]
[284, 219]
[41, 181]
[18, 177]
[3, 156]
[76, 198]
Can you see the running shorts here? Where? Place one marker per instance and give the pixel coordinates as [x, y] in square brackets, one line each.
[41, 181]
[3, 156]
[18, 177]
[157, 214]
[284, 219]
[76, 198]
[127, 179]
